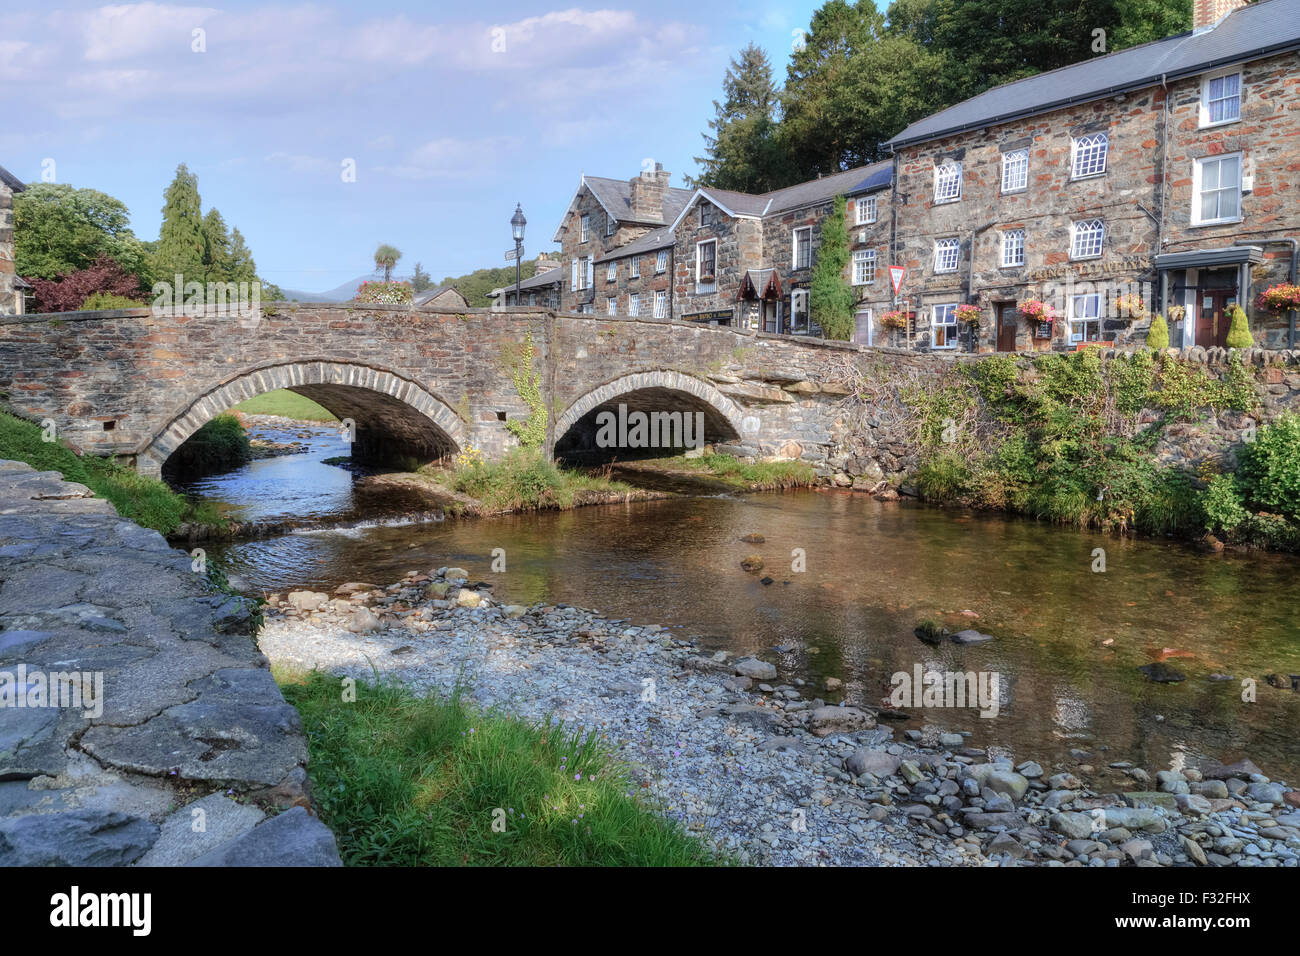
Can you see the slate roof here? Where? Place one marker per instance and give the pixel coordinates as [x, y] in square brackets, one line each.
[550, 277]
[652, 241]
[1261, 29]
[12, 181]
[428, 295]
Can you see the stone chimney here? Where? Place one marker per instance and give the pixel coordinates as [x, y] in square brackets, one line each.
[545, 263]
[646, 192]
[1206, 13]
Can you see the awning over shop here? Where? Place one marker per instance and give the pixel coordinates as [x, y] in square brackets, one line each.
[1210, 258]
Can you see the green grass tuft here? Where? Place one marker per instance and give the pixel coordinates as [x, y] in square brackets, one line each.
[287, 404]
[415, 781]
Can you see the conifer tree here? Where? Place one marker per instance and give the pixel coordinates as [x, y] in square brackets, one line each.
[180, 239]
[831, 297]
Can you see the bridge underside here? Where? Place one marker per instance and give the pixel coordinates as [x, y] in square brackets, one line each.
[667, 429]
[388, 431]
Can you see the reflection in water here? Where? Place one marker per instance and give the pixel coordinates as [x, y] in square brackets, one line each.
[873, 570]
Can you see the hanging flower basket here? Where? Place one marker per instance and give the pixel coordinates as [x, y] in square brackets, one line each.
[1130, 307]
[1280, 298]
[894, 320]
[1176, 313]
[969, 314]
[1037, 311]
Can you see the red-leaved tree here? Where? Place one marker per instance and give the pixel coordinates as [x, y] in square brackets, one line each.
[67, 292]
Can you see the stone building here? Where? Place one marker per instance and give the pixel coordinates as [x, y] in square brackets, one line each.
[542, 288]
[1164, 174]
[11, 286]
[443, 295]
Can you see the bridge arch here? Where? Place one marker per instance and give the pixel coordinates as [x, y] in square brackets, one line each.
[393, 414]
[651, 391]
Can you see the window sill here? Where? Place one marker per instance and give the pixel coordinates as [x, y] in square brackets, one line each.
[1018, 189]
[946, 202]
[1227, 122]
[1100, 175]
[1216, 222]
[1085, 258]
[1009, 266]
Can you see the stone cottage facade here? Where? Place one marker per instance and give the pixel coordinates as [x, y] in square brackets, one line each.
[11, 296]
[1164, 175]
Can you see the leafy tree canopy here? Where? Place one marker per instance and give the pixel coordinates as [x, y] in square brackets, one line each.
[59, 229]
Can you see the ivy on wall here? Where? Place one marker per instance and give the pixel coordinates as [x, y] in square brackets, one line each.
[531, 432]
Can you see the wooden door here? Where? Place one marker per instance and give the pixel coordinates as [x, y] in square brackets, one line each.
[1212, 317]
[1007, 320]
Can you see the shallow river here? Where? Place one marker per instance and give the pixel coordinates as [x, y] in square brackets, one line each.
[1068, 640]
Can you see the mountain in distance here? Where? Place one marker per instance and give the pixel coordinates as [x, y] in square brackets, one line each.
[340, 293]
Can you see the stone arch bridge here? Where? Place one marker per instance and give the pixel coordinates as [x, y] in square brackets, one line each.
[422, 383]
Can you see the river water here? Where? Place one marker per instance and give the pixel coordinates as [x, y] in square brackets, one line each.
[1068, 639]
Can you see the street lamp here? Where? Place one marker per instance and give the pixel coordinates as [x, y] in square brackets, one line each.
[517, 223]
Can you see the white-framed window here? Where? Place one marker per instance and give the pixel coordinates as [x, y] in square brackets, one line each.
[1085, 317]
[864, 266]
[1216, 184]
[706, 266]
[635, 267]
[1015, 170]
[588, 272]
[947, 182]
[1221, 99]
[575, 277]
[946, 253]
[1013, 247]
[1086, 238]
[802, 247]
[661, 261]
[661, 304]
[634, 304]
[799, 312]
[587, 309]
[944, 326]
[611, 305]
[586, 228]
[866, 210]
[1090, 155]
[611, 272]
[706, 214]
[611, 225]
[532, 298]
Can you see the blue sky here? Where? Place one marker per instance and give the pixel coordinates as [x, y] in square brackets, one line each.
[448, 129]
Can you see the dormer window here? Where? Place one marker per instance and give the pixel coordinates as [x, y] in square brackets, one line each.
[611, 225]
[947, 182]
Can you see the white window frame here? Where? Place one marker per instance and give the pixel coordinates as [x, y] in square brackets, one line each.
[589, 272]
[661, 304]
[1013, 248]
[634, 303]
[941, 246]
[1015, 163]
[703, 285]
[944, 316]
[797, 296]
[575, 277]
[611, 305]
[1208, 100]
[584, 228]
[611, 272]
[1077, 232]
[1087, 319]
[871, 326]
[611, 225]
[661, 261]
[866, 208]
[705, 221]
[1198, 173]
[634, 268]
[947, 182]
[864, 266]
[1093, 146]
[794, 247]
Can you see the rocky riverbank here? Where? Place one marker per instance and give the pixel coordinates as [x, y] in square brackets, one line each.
[777, 773]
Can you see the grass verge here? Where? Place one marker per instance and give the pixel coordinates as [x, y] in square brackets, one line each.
[523, 481]
[420, 781]
[146, 501]
[287, 404]
[747, 475]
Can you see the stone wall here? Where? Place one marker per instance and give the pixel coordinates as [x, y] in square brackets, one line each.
[8, 303]
[183, 724]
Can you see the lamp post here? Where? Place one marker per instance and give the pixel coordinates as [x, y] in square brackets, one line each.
[517, 223]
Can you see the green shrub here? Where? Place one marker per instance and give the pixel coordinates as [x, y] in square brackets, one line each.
[1158, 334]
[1239, 336]
[943, 478]
[1222, 504]
[102, 301]
[1269, 467]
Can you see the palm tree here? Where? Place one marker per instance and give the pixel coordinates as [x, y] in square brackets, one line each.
[386, 257]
